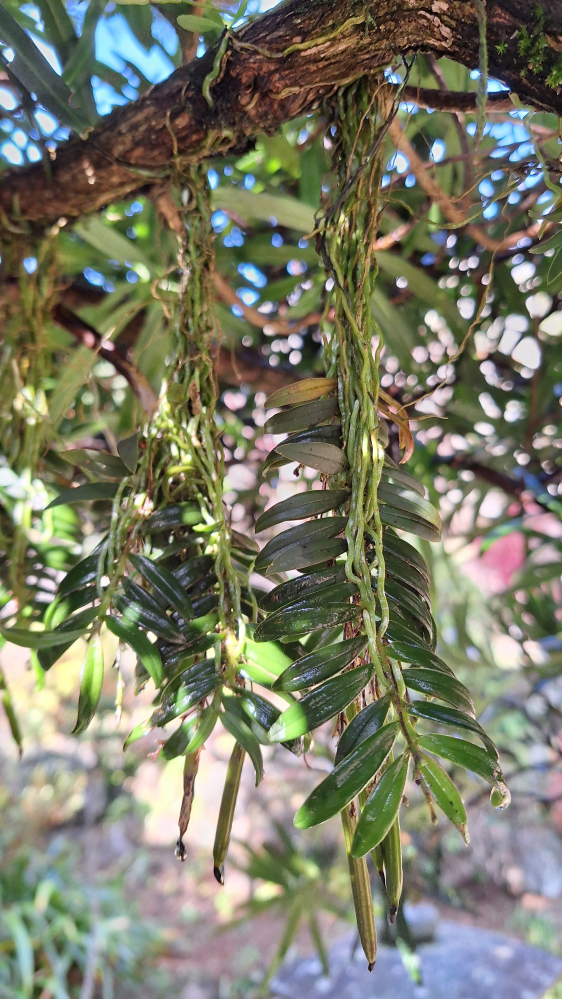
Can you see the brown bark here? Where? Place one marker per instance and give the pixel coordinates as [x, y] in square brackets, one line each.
[275, 69]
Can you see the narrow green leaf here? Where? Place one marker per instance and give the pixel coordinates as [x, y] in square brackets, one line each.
[471, 757]
[368, 721]
[164, 584]
[327, 527]
[23, 945]
[306, 554]
[110, 242]
[177, 515]
[311, 414]
[445, 794]
[199, 25]
[265, 661]
[409, 522]
[36, 74]
[437, 684]
[48, 655]
[325, 458]
[301, 506]
[89, 491]
[178, 742]
[347, 779]
[140, 730]
[82, 574]
[38, 639]
[250, 205]
[139, 643]
[192, 570]
[321, 704]
[418, 656]
[205, 725]
[245, 738]
[381, 808]
[91, 682]
[320, 665]
[402, 549]
[552, 243]
[186, 697]
[444, 715]
[97, 462]
[146, 617]
[300, 586]
[326, 610]
[9, 711]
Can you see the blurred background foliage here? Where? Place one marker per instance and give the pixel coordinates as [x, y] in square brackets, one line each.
[487, 424]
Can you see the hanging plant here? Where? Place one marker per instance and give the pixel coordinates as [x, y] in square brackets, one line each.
[361, 607]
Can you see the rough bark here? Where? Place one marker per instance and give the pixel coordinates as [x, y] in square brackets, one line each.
[275, 69]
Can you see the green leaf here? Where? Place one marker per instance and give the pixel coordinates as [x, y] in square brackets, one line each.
[139, 643]
[321, 704]
[138, 594]
[301, 506]
[330, 434]
[111, 243]
[306, 390]
[22, 942]
[347, 778]
[368, 721]
[326, 528]
[97, 462]
[48, 656]
[187, 696]
[246, 738]
[9, 711]
[408, 522]
[265, 661]
[381, 808]
[91, 682]
[320, 665]
[302, 417]
[444, 715]
[194, 569]
[177, 744]
[418, 656]
[325, 458]
[471, 757]
[38, 639]
[89, 491]
[262, 207]
[128, 451]
[437, 684]
[323, 610]
[400, 478]
[198, 25]
[194, 632]
[36, 74]
[140, 730]
[552, 243]
[400, 548]
[445, 793]
[146, 617]
[301, 585]
[170, 517]
[164, 584]
[307, 554]
[205, 726]
[408, 603]
[82, 574]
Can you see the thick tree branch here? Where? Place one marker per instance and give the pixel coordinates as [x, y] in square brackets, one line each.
[275, 69]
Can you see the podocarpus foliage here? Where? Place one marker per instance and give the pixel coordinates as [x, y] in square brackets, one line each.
[347, 639]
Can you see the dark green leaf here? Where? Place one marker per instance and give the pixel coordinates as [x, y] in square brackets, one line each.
[193, 570]
[381, 808]
[399, 548]
[147, 618]
[307, 554]
[89, 491]
[320, 665]
[467, 755]
[205, 726]
[417, 655]
[91, 682]
[368, 721]
[139, 643]
[199, 25]
[264, 662]
[48, 656]
[193, 633]
[437, 684]
[444, 715]
[38, 639]
[347, 778]
[80, 575]
[164, 584]
[325, 458]
[306, 390]
[293, 589]
[302, 417]
[179, 740]
[178, 515]
[312, 613]
[321, 704]
[327, 528]
[301, 506]
[98, 462]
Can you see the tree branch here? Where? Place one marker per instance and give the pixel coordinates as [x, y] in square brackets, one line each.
[274, 69]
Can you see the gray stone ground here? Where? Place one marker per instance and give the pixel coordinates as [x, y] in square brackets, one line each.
[464, 962]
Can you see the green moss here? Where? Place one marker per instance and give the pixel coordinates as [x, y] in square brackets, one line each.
[535, 51]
